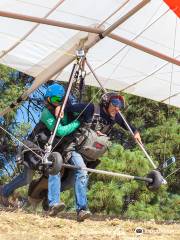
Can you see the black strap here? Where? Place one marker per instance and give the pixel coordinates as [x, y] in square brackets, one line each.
[50, 107]
[97, 124]
[96, 114]
[96, 118]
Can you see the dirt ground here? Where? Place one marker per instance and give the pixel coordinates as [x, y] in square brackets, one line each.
[20, 225]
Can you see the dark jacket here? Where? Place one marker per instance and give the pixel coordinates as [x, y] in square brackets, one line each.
[86, 112]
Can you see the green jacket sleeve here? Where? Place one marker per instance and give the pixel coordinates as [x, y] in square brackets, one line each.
[49, 120]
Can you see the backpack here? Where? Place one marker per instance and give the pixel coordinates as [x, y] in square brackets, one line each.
[92, 146]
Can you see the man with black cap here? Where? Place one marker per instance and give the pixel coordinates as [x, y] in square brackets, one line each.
[101, 119]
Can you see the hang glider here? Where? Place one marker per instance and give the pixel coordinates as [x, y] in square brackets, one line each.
[131, 45]
[174, 5]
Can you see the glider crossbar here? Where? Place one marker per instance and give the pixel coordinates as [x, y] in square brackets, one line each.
[94, 30]
[67, 25]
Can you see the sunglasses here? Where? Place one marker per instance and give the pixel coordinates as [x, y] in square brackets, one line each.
[115, 105]
[55, 99]
[121, 99]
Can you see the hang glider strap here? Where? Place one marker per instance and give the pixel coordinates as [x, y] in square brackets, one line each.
[82, 79]
[79, 77]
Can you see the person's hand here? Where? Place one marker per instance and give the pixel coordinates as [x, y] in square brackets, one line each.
[137, 137]
[100, 133]
[57, 111]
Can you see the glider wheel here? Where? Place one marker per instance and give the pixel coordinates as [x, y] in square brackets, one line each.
[57, 161]
[157, 180]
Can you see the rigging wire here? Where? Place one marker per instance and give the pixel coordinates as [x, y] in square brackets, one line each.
[149, 75]
[174, 95]
[140, 33]
[113, 73]
[170, 91]
[112, 14]
[30, 31]
[170, 86]
[91, 101]
[10, 134]
[176, 170]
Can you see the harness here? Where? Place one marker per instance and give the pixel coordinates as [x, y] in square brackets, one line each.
[85, 140]
[88, 142]
[97, 122]
[28, 158]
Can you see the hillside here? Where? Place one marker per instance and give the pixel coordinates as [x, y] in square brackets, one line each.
[24, 226]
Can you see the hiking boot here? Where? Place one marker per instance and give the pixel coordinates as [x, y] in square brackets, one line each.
[82, 215]
[54, 210]
[14, 200]
[4, 200]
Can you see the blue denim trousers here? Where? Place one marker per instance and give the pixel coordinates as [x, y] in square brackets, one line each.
[21, 180]
[80, 181]
[54, 187]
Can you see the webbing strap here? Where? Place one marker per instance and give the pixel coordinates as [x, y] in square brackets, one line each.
[96, 123]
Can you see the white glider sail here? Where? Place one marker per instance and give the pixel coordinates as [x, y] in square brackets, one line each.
[34, 48]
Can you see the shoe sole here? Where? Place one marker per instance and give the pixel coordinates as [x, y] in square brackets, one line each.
[81, 219]
[55, 211]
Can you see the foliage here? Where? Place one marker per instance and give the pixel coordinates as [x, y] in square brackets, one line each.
[12, 85]
[158, 124]
[130, 199]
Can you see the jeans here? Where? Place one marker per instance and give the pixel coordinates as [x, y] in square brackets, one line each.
[80, 179]
[54, 186]
[80, 182]
[21, 180]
